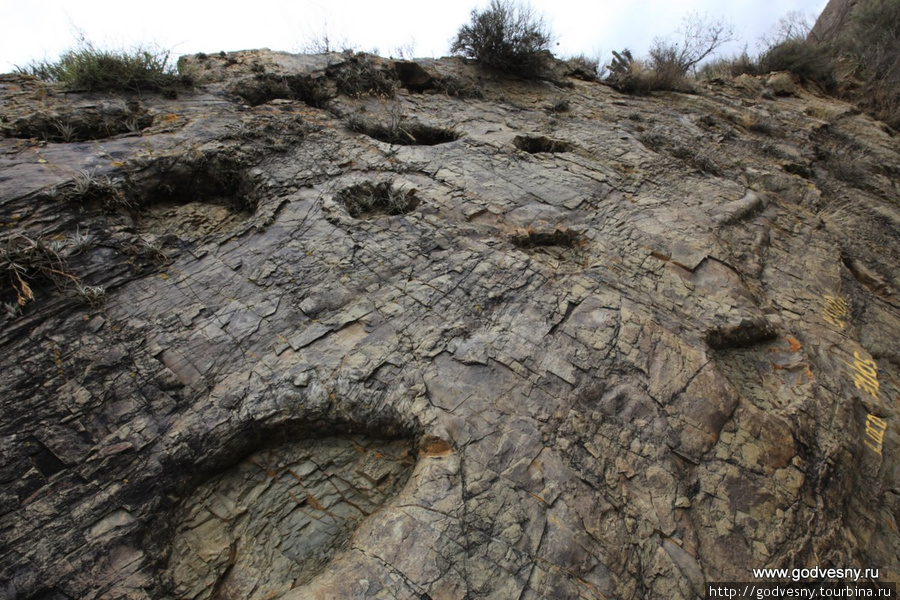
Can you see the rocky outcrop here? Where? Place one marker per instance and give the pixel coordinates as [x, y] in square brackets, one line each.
[832, 22]
[270, 339]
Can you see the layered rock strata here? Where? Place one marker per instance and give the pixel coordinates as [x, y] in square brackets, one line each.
[280, 337]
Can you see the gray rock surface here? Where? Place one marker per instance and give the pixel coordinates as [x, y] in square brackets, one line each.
[833, 20]
[618, 351]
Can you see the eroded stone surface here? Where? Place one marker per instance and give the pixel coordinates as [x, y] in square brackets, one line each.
[705, 384]
[274, 520]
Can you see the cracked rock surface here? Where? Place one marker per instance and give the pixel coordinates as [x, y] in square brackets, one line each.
[618, 351]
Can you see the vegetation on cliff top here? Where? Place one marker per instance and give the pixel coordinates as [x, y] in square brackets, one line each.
[506, 37]
[860, 62]
[92, 69]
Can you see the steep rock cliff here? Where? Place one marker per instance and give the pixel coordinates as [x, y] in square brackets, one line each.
[488, 338]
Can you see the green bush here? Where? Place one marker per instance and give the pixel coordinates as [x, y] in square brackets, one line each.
[807, 60]
[506, 37]
[88, 68]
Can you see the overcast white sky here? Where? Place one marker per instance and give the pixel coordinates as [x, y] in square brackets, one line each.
[43, 29]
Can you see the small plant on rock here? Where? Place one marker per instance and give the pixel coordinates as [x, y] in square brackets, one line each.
[81, 241]
[11, 311]
[89, 187]
[506, 37]
[92, 295]
[24, 259]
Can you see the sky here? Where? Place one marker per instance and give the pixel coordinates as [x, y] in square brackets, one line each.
[43, 30]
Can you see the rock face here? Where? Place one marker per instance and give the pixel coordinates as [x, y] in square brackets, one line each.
[833, 20]
[283, 338]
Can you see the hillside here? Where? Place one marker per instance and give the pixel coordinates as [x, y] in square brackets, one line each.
[297, 333]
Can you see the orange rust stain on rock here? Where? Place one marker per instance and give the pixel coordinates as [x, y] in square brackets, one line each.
[434, 446]
[793, 346]
[312, 501]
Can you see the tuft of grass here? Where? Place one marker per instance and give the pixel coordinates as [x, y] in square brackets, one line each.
[11, 311]
[369, 200]
[81, 241]
[93, 69]
[89, 187]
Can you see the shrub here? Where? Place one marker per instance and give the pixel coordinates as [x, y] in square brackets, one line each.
[584, 67]
[88, 68]
[734, 66]
[668, 68]
[264, 87]
[808, 60]
[637, 77]
[874, 41]
[670, 62]
[700, 37]
[359, 76]
[792, 26]
[506, 37]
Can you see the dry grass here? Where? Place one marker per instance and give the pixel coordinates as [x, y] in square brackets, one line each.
[26, 260]
[89, 68]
